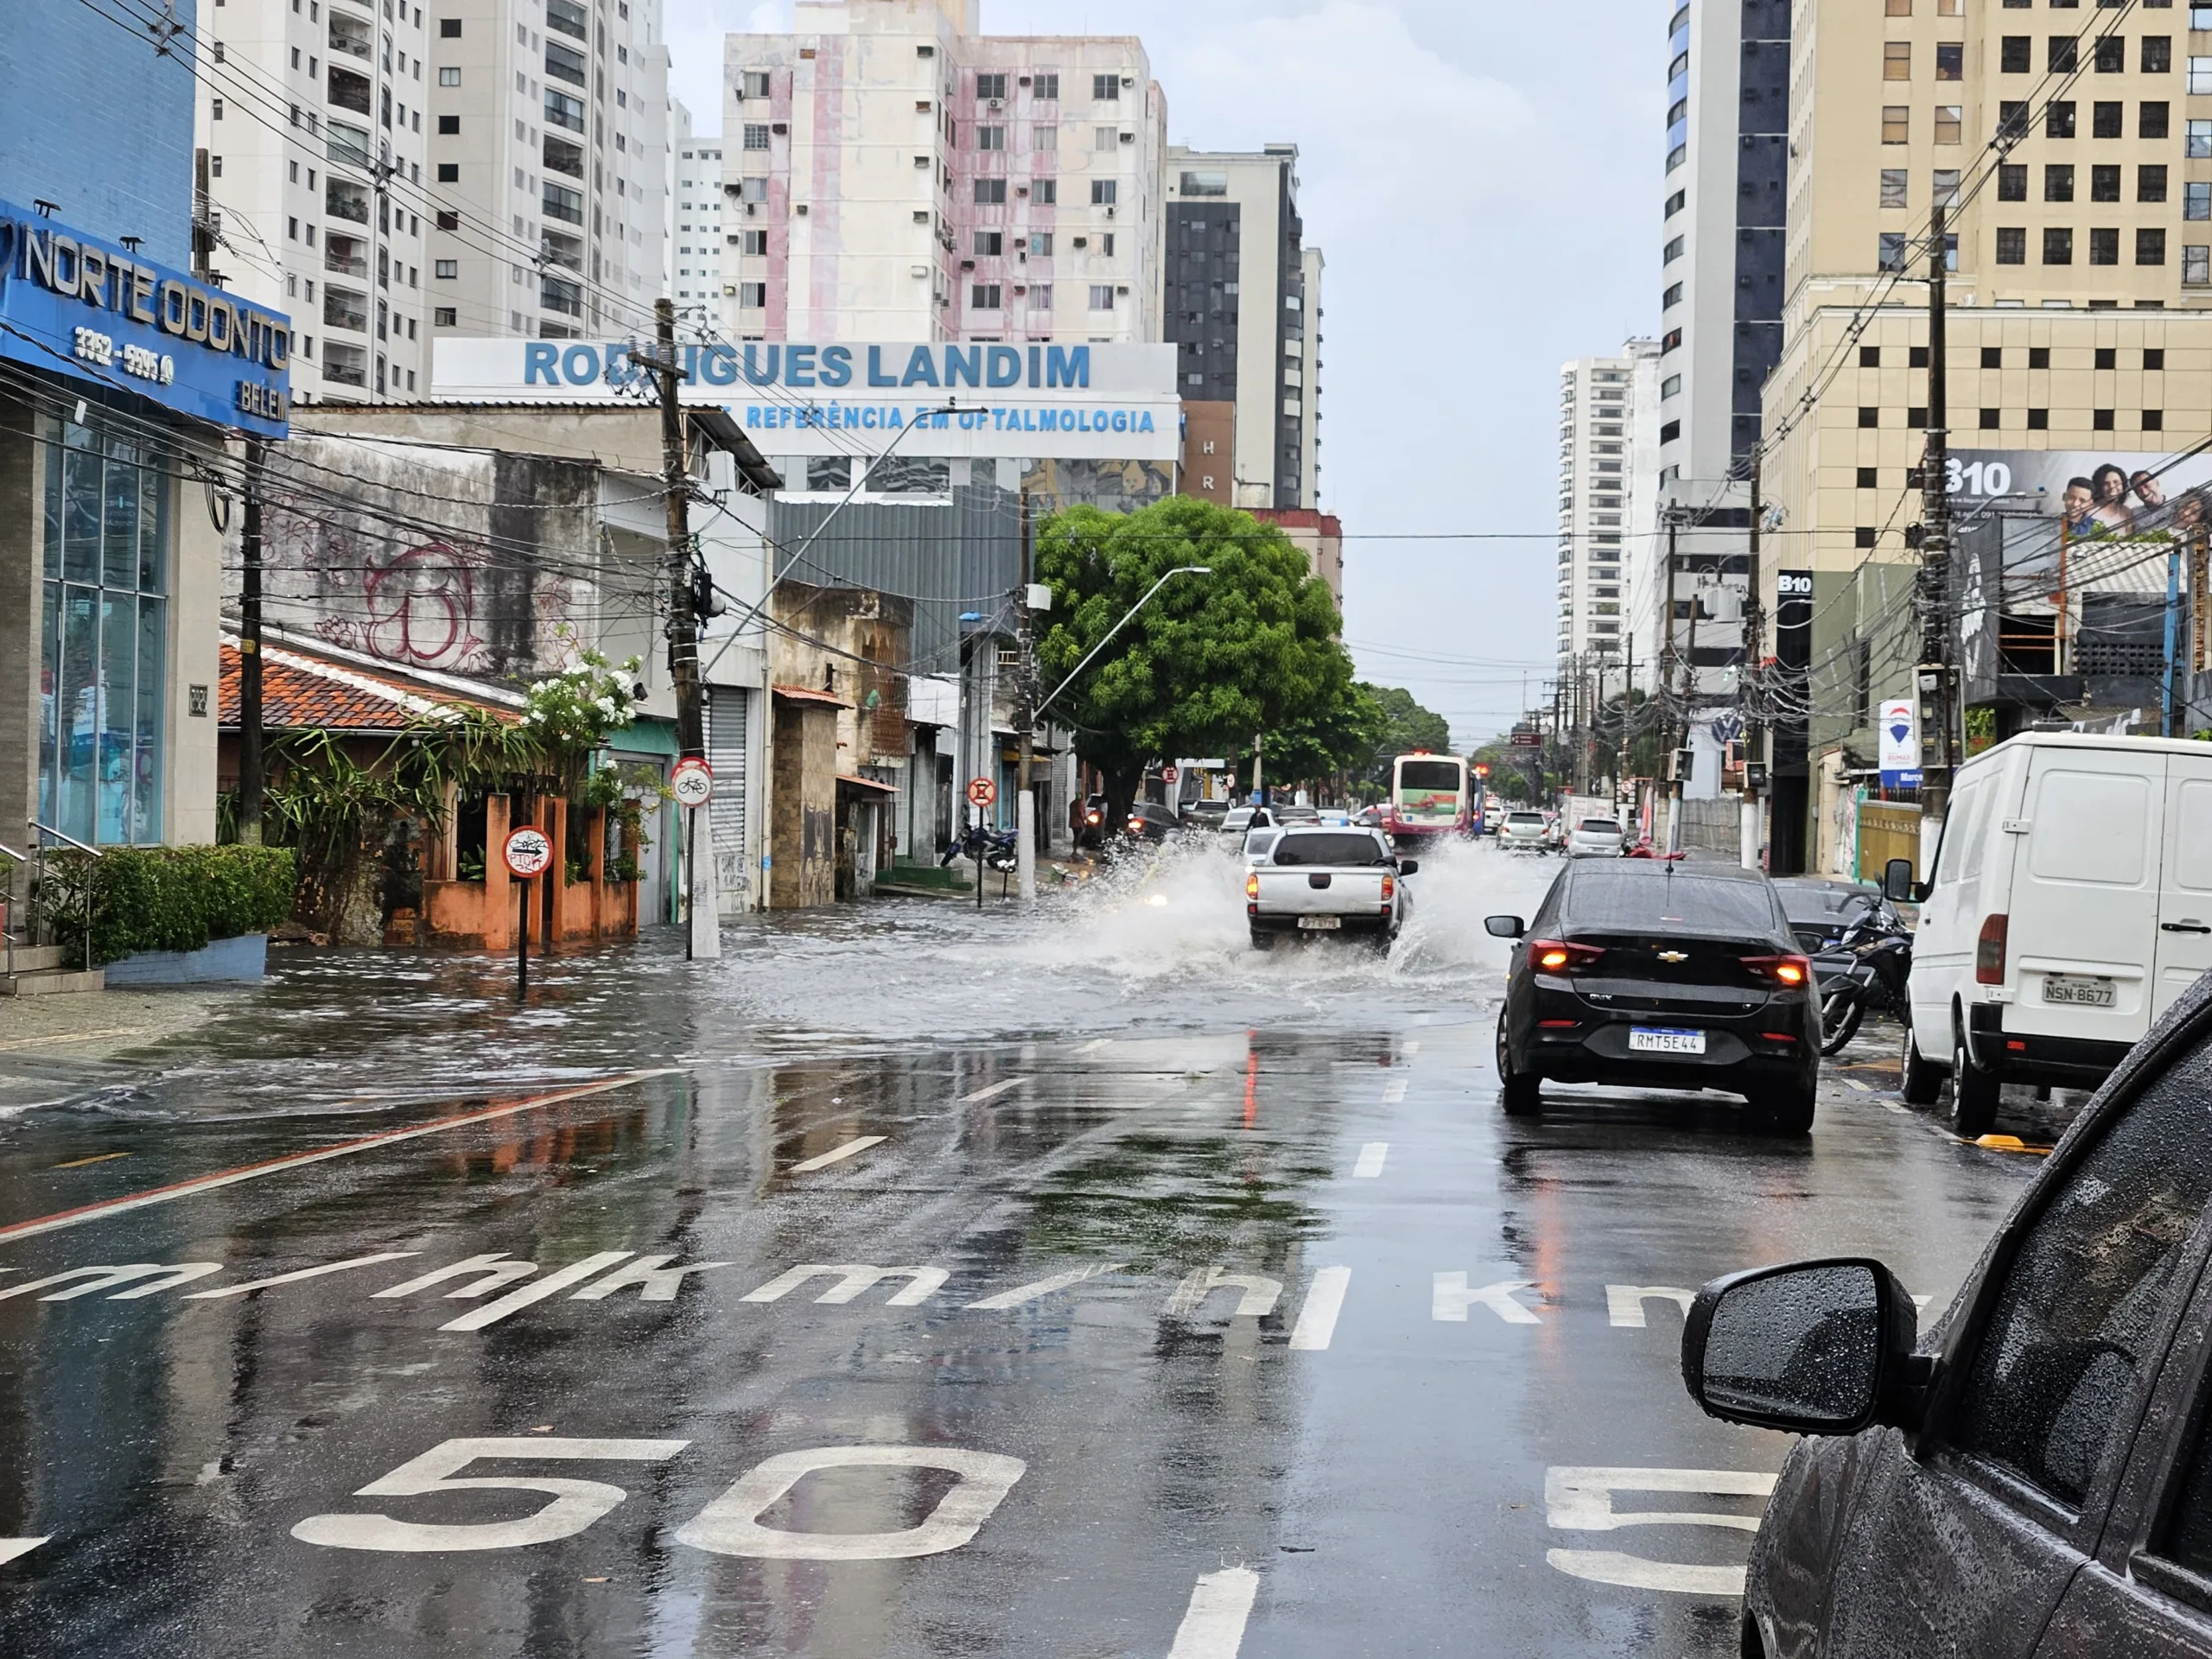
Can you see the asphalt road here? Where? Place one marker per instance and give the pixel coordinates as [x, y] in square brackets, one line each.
[920, 1284]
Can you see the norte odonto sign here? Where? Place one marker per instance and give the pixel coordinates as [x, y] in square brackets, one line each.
[1099, 401]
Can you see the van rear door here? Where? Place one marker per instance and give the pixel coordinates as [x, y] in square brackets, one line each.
[2083, 912]
[2184, 947]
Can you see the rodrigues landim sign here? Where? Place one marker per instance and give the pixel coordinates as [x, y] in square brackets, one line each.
[1033, 399]
[71, 303]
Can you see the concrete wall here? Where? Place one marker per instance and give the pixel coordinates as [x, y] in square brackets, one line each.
[803, 797]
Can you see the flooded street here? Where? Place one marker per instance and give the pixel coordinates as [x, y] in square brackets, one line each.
[914, 1280]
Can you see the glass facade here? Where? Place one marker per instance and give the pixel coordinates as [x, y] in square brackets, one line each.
[104, 672]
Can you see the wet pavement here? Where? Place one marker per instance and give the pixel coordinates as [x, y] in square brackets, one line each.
[911, 1282]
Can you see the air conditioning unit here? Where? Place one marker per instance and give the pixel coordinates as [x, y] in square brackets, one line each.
[785, 126]
[1080, 242]
[800, 210]
[921, 106]
[729, 287]
[967, 265]
[918, 271]
[921, 161]
[1123, 288]
[1109, 212]
[1019, 288]
[996, 103]
[1021, 190]
[1128, 80]
[921, 216]
[751, 208]
[1128, 137]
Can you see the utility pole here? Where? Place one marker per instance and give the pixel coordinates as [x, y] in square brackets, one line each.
[250, 778]
[704, 930]
[1025, 689]
[1934, 676]
[1668, 655]
[1746, 681]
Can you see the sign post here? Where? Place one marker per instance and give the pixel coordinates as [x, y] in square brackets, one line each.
[528, 852]
[692, 783]
[1898, 731]
[981, 793]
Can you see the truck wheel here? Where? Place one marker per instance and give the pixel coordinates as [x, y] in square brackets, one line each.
[1919, 1082]
[1262, 941]
[1974, 1094]
[1518, 1092]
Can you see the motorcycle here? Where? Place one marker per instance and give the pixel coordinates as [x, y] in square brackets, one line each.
[1866, 969]
[997, 849]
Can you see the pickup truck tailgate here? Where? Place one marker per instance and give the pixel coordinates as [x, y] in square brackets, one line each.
[1303, 890]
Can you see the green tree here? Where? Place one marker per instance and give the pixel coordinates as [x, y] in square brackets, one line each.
[1407, 727]
[1213, 660]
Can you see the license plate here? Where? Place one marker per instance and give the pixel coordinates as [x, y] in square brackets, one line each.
[1664, 1040]
[2079, 992]
[1320, 924]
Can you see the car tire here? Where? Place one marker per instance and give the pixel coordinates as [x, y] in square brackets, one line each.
[1787, 1111]
[1519, 1092]
[1919, 1083]
[1974, 1094]
[1262, 941]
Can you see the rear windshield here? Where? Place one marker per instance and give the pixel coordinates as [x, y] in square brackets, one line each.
[1524, 818]
[1330, 846]
[1428, 775]
[1260, 840]
[1622, 898]
[1602, 826]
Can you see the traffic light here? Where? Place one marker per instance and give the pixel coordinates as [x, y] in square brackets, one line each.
[1482, 770]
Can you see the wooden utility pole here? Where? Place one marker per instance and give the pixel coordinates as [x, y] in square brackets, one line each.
[1025, 691]
[1933, 689]
[252, 785]
[704, 937]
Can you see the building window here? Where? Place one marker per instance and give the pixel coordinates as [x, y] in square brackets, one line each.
[449, 126]
[1950, 61]
[2104, 247]
[991, 86]
[1670, 387]
[2011, 182]
[752, 296]
[1680, 198]
[984, 297]
[2104, 183]
[1046, 140]
[1947, 186]
[1894, 188]
[990, 193]
[1869, 415]
[2014, 54]
[1671, 252]
[1040, 296]
[2153, 122]
[1890, 251]
[1106, 88]
[2038, 356]
[1991, 420]
[2012, 119]
[1869, 357]
[104, 638]
[1104, 192]
[2158, 53]
[2154, 419]
[1897, 60]
[1675, 156]
[756, 135]
[2196, 200]
[2107, 121]
[2196, 265]
[2038, 420]
[2012, 245]
[445, 270]
[2107, 357]
[444, 316]
[2154, 357]
[2059, 119]
[990, 242]
[2062, 55]
[448, 171]
[2112, 54]
[1897, 123]
[1102, 296]
[1673, 297]
[448, 28]
[1863, 536]
[2150, 244]
[1669, 341]
[1869, 477]
[2101, 420]
[1101, 137]
[2058, 181]
[990, 137]
[2057, 245]
[756, 83]
[2150, 183]
[448, 77]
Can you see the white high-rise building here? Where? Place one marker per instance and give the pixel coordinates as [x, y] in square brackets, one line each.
[384, 172]
[694, 262]
[1594, 446]
[890, 173]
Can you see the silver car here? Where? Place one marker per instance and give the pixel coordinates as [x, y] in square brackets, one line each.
[1596, 838]
[1524, 832]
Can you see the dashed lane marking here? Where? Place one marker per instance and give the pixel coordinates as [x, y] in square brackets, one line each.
[96, 1158]
[84, 1213]
[1395, 1091]
[1317, 1316]
[991, 1092]
[1853, 1082]
[1213, 1623]
[858, 1143]
[11, 1547]
[1370, 1159]
[1891, 1106]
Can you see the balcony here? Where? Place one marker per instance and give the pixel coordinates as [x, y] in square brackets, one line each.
[562, 63]
[351, 36]
[561, 156]
[567, 251]
[346, 255]
[348, 144]
[562, 111]
[345, 365]
[351, 92]
[568, 17]
[344, 200]
[558, 294]
[343, 308]
[561, 203]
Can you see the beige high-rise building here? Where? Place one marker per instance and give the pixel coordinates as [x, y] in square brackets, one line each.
[2074, 154]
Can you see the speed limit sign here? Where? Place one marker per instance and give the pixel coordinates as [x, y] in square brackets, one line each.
[528, 851]
[981, 792]
[692, 783]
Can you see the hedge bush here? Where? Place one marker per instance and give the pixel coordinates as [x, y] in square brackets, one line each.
[168, 898]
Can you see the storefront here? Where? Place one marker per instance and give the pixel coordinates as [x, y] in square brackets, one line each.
[121, 383]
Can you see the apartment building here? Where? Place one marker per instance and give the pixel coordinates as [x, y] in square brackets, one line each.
[692, 267]
[2072, 149]
[891, 174]
[1242, 302]
[1594, 443]
[388, 171]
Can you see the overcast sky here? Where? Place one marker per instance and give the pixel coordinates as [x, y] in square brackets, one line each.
[1483, 179]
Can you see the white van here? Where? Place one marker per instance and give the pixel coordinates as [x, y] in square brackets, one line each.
[2071, 903]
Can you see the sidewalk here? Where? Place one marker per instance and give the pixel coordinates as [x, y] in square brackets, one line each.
[52, 1048]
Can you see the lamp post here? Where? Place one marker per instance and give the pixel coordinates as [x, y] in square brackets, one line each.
[1179, 570]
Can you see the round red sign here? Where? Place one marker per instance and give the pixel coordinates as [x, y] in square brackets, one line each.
[528, 851]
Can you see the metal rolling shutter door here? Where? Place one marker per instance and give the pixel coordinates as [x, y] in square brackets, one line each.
[726, 735]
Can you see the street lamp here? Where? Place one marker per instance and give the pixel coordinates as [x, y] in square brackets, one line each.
[1179, 570]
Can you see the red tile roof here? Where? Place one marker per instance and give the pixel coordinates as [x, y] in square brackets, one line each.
[808, 694]
[299, 693]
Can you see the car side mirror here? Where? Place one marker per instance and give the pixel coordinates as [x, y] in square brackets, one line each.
[1504, 927]
[1897, 880]
[1409, 866]
[1810, 1347]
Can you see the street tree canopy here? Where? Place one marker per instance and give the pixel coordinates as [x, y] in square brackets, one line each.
[1213, 660]
[1405, 726]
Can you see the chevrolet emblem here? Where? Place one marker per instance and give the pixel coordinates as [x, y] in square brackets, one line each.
[1674, 956]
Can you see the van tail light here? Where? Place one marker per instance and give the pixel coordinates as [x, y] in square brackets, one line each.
[1562, 956]
[1792, 971]
[1989, 951]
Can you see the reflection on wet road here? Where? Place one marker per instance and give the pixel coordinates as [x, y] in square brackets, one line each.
[911, 1282]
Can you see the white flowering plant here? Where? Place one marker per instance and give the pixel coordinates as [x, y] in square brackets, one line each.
[570, 715]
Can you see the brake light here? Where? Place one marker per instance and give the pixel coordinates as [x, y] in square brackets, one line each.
[1389, 887]
[1136, 826]
[1562, 955]
[1783, 970]
[1252, 885]
[1989, 951]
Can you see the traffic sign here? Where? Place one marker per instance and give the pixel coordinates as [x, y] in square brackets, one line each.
[528, 851]
[981, 792]
[1168, 774]
[692, 783]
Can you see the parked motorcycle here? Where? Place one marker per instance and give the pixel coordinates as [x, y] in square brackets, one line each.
[1867, 968]
[997, 849]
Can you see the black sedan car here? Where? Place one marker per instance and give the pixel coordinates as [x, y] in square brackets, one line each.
[1150, 821]
[2036, 1478]
[1653, 975]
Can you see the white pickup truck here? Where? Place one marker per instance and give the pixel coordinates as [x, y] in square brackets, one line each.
[1328, 881]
